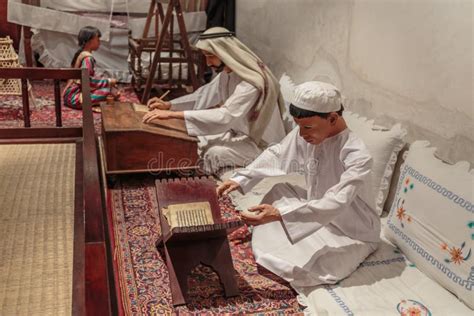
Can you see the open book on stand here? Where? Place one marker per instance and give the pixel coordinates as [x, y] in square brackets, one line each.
[188, 215]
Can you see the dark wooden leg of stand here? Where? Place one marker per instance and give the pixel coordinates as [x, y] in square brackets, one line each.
[177, 295]
[224, 267]
[182, 258]
[184, 269]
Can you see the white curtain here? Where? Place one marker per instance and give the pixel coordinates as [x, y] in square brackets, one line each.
[55, 31]
[54, 20]
[134, 6]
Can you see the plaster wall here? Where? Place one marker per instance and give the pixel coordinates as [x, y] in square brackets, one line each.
[407, 61]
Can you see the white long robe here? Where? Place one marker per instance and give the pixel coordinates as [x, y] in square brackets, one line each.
[223, 131]
[327, 230]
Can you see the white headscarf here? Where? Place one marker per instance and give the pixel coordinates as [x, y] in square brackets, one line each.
[250, 68]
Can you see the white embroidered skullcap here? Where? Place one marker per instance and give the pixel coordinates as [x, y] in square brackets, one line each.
[317, 96]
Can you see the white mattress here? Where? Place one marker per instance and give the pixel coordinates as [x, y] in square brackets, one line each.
[386, 283]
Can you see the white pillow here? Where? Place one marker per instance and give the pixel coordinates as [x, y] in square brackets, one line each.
[431, 219]
[287, 86]
[384, 146]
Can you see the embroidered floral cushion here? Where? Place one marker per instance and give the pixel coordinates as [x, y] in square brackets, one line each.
[431, 219]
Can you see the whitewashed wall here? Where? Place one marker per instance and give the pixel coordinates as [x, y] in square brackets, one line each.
[409, 61]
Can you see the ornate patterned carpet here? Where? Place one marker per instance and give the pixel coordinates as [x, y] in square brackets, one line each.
[143, 276]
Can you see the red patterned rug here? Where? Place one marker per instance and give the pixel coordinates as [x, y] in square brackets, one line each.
[42, 107]
[143, 275]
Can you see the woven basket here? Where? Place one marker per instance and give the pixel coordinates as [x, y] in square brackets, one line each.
[9, 59]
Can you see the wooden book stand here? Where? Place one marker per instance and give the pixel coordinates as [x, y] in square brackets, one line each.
[186, 247]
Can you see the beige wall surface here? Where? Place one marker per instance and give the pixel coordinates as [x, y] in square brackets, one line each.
[407, 61]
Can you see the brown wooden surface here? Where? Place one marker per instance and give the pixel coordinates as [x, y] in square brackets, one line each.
[183, 256]
[40, 132]
[26, 102]
[97, 291]
[92, 194]
[57, 103]
[78, 267]
[98, 301]
[115, 302]
[27, 34]
[39, 140]
[132, 146]
[121, 116]
[32, 73]
[151, 9]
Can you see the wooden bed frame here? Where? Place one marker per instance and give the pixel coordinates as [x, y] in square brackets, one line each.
[93, 288]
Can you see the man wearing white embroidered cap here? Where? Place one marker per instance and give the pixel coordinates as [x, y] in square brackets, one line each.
[237, 114]
[322, 233]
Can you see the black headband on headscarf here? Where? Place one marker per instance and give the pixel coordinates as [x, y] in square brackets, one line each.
[216, 35]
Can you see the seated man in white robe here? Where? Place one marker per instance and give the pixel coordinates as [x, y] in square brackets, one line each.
[318, 235]
[237, 114]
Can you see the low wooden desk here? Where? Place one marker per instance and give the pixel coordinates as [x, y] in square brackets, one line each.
[186, 247]
[131, 146]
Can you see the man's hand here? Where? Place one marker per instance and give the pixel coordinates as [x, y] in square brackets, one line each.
[260, 214]
[156, 103]
[226, 187]
[162, 115]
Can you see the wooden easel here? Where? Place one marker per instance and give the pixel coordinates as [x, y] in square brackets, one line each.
[166, 33]
[186, 247]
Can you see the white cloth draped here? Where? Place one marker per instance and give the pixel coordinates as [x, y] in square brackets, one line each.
[134, 6]
[57, 49]
[54, 20]
[55, 31]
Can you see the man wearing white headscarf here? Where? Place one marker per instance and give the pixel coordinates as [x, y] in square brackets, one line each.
[320, 234]
[237, 114]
